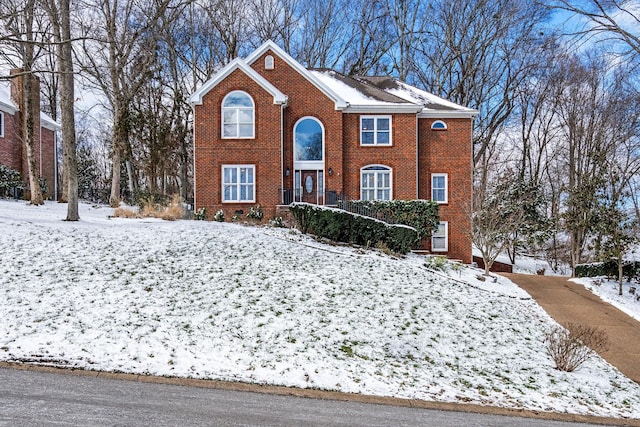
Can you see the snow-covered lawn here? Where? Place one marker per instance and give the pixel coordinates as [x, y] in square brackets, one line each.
[608, 290]
[266, 305]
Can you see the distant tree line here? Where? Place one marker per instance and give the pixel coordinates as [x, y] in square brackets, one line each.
[556, 154]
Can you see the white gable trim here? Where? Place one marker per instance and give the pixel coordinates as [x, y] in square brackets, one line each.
[340, 104]
[48, 123]
[237, 64]
[443, 114]
[8, 107]
[384, 109]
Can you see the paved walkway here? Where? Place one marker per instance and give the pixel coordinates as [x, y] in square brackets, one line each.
[567, 302]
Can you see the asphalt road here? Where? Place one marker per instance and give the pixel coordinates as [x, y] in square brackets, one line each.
[30, 398]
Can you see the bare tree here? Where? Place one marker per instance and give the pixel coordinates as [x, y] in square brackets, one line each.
[120, 62]
[321, 39]
[409, 24]
[478, 53]
[371, 39]
[497, 214]
[230, 19]
[617, 20]
[60, 16]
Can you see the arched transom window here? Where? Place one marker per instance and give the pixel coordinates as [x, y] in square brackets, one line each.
[375, 183]
[308, 139]
[237, 115]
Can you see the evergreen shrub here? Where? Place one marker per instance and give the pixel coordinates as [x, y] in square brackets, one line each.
[630, 269]
[423, 215]
[343, 226]
[10, 180]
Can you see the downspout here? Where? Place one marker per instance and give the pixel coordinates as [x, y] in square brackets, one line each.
[282, 189]
[40, 149]
[193, 137]
[55, 165]
[417, 157]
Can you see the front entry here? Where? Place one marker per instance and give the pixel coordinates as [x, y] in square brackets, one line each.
[309, 184]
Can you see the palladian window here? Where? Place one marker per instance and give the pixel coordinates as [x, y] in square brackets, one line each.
[375, 183]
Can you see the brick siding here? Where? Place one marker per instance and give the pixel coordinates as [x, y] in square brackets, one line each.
[450, 151]
[447, 151]
[12, 151]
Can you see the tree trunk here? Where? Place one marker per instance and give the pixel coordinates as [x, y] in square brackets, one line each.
[29, 109]
[620, 270]
[114, 199]
[28, 127]
[67, 96]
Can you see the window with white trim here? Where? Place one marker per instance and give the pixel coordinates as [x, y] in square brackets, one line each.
[238, 183]
[375, 130]
[375, 183]
[1, 124]
[439, 187]
[237, 115]
[438, 125]
[440, 238]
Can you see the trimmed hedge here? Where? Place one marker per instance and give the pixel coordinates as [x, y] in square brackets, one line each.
[630, 269]
[343, 226]
[423, 215]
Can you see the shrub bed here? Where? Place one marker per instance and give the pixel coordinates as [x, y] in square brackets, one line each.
[343, 226]
[630, 269]
[419, 214]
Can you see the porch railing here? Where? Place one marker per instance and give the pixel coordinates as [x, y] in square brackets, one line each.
[338, 200]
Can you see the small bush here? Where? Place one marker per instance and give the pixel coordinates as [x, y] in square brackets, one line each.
[570, 347]
[278, 222]
[172, 211]
[255, 213]
[10, 181]
[438, 263]
[125, 213]
[200, 214]
[219, 216]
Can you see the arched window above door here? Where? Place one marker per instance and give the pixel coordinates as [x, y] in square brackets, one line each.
[308, 140]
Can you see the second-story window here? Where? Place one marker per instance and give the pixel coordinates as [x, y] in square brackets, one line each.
[237, 115]
[375, 130]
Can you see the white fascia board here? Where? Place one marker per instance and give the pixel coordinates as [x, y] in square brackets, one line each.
[442, 114]
[340, 104]
[48, 123]
[384, 109]
[237, 64]
[8, 107]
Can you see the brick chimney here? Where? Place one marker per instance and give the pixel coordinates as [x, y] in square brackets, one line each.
[17, 96]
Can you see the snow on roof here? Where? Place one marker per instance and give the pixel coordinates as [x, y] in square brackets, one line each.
[428, 100]
[6, 104]
[385, 92]
[354, 91]
[47, 122]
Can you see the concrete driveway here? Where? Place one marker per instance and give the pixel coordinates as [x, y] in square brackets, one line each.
[568, 302]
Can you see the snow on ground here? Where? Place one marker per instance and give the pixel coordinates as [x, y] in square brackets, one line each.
[608, 291]
[271, 306]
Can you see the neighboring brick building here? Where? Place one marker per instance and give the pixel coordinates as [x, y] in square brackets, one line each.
[269, 131]
[12, 150]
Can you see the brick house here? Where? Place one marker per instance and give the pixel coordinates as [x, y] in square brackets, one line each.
[269, 131]
[13, 153]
